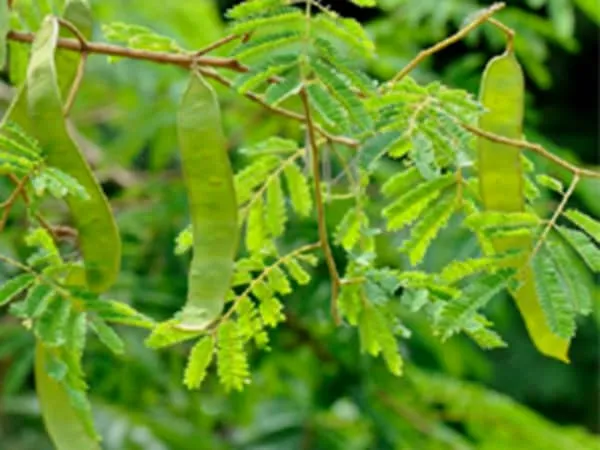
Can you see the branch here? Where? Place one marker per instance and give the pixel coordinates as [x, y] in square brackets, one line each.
[460, 34]
[534, 148]
[178, 59]
[322, 225]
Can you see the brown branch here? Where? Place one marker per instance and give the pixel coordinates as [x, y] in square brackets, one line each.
[534, 148]
[555, 216]
[177, 59]
[281, 111]
[12, 198]
[80, 67]
[321, 223]
[216, 44]
[459, 35]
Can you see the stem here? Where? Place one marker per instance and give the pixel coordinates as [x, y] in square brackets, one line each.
[460, 34]
[510, 33]
[555, 216]
[263, 275]
[177, 59]
[322, 225]
[281, 111]
[533, 147]
[215, 45]
[9, 202]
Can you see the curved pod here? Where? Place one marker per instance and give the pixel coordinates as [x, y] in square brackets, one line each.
[212, 202]
[501, 185]
[98, 234]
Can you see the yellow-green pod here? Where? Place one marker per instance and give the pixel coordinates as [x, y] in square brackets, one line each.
[501, 184]
[212, 202]
[98, 234]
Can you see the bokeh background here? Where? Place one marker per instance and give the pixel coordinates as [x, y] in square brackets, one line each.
[313, 389]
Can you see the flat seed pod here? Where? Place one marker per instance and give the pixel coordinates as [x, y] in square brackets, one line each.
[212, 202]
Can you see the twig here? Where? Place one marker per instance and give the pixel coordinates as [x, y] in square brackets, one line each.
[9, 202]
[209, 48]
[460, 34]
[510, 33]
[263, 275]
[534, 148]
[555, 216]
[321, 223]
[80, 67]
[177, 59]
[281, 111]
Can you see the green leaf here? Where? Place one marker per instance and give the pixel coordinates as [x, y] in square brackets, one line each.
[296, 271]
[457, 270]
[401, 182]
[553, 295]
[50, 326]
[428, 227]
[551, 183]
[455, 315]
[251, 8]
[265, 44]
[272, 145]
[340, 89]
[375, 147]
[37, 300]
[487, 339]
[377, 337]
[328, 107]
[299, 190]
[261, 73]
[278, 92]
[492, 219]
[275, 213]
[575, 278]
[284, 16]
[278, 280]
[582, 245]
[13, 287]
[348, 231]
[118, 312]
[349, 302]
[423, 155]
[200, 358]
[232, 364]
[347, 31]
[585, 222]
[166, 334]
[256, 233]
[107, 336]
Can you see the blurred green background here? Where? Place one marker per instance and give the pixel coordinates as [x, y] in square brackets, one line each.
[313, 389]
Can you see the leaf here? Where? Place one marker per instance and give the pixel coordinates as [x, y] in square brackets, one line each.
[276, 17]
[278, 92]
[299, 190]
[457, 270]
[265, 44]
[575, 278]
[487, 339]
[328, 107]
[423, 156]
[582, 245]
[261, 73]
[454, 315]
[13, 287]
[401, 182]
[251, 8]
[492, 219]
[50, 326]
[375, 147]
[107, 336]
[118, 312]
[232, 364]
[348, 231]
[347, 31]
[167, 333]
[37, 300]
[200, 357]
[551, 183]
[278, 280]
[256, 233]
[340, 89]
[275, 214]
[553, 296]
[585, 222]
[296, 271]
[272, 145]
[349, 302]
[376, 337]
[428, 227]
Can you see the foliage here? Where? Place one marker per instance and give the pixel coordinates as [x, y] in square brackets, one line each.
[320, 70]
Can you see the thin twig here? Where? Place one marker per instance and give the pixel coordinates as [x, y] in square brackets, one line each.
[281, 111]
[555, 216]
[510, 33]
[321, 223]
[584, 173]
[209, 48]
[80, 67]
[177, 59]
[264, 274]
[10, 201]
[459, 35]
